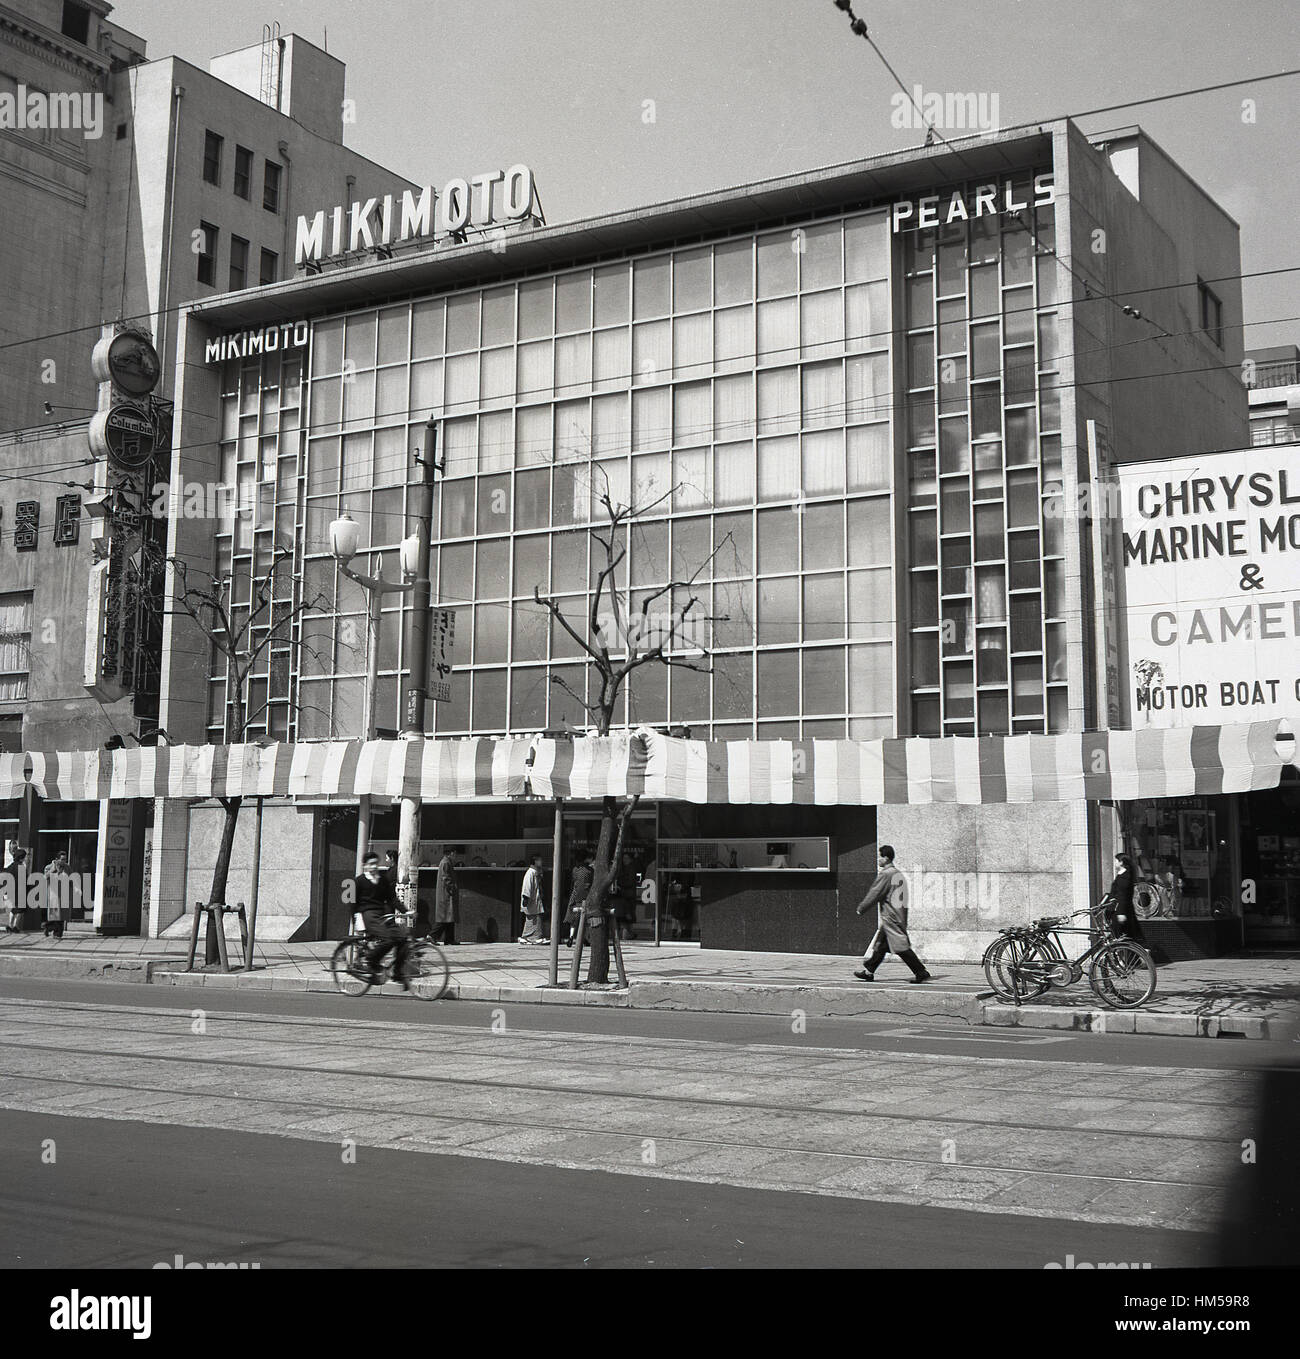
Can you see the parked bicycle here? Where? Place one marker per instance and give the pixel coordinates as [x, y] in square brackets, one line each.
[1025, 961]
[419, 964]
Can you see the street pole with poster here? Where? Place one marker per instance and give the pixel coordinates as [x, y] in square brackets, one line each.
[130, 439]
[418, 651]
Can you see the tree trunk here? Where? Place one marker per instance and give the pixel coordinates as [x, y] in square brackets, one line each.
[220, 872]
[609, 859]
[602, 873]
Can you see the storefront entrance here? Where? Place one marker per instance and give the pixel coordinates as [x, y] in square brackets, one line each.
[1217, 874]
[1270, 865]
[636, 895]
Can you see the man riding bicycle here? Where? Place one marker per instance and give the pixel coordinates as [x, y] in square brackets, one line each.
[375, 900]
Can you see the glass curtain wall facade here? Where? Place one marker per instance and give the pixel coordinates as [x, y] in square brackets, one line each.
[752, 398]
[985, 551]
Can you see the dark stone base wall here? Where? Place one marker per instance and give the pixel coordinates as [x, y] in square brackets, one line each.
[1175, 941]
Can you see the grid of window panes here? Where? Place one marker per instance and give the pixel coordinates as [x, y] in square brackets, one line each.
[982, 439]
[737, 393]
[256, 511]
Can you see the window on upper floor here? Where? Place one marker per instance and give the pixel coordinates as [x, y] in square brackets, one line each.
[1211, 312]
[207, 271]
[243, 171]
[238, 263]
[271, 187]
[76, 22]
[15, 645]
[270, 269]
[212, 145]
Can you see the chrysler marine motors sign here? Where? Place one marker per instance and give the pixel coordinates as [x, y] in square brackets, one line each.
[1212, 587]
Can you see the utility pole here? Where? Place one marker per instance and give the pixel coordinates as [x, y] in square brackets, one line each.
[417, 652]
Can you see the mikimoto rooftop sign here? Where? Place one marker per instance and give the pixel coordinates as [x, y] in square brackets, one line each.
[263, 340]
[485, 200]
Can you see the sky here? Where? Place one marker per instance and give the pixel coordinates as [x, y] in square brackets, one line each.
[616, 106]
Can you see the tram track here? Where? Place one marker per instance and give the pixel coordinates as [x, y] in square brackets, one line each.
[1035, 1137]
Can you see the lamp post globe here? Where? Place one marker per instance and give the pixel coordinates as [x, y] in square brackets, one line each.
[345, 536]
[409, 556]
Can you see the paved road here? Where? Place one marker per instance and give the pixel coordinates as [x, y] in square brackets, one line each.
[132, 1195]
[645, 1122]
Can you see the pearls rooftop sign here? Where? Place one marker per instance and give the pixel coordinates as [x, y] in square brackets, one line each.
[483, 201]
[985, 200]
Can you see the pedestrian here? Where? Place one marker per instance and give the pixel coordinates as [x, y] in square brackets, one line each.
[1124, 922]
[446, 900]
[578, 891]
[13, 888]
[622, 902]
[532, 903]
[889, 894]
[57, 888]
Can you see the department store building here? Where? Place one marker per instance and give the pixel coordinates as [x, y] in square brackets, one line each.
[851, 404]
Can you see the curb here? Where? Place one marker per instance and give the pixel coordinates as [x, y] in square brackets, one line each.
[958, 1009]
[1163, 1022]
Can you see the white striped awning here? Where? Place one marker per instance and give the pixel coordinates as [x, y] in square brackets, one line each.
[1114, 765]
[435, 771]
[1073, 766]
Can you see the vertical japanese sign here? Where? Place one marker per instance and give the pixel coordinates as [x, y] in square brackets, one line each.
[443, 623]
[113, 866]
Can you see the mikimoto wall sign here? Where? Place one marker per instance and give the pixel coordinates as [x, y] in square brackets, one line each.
[124, 434]
[482, 201]
[128, 360]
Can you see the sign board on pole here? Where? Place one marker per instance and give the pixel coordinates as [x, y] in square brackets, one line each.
[1212, 587]
[113, 866]
[442, 624]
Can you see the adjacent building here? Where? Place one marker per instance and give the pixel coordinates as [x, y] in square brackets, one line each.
[131, 188]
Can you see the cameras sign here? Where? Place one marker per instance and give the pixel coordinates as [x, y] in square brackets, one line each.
[1212, 587]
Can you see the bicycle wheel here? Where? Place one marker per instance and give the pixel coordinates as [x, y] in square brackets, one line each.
[1123, 975]
[427, 973]
[1001, 960]
[347, 967]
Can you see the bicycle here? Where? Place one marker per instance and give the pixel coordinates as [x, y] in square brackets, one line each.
[424, 969]
[1025, 961]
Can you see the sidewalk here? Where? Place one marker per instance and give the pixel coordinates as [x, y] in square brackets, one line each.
[1244, 997]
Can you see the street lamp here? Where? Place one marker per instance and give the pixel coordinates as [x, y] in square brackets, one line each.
[345, 538]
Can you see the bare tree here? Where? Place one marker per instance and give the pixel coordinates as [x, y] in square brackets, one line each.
[242, 636]
[618, 639]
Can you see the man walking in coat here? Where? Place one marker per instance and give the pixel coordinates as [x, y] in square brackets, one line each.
[446, 901]
[889, 893]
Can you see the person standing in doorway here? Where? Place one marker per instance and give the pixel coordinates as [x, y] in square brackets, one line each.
[889, 894]
[532, 903]
[13, 888]
[680, 906]
[582, 876]
[57, 894]
[446, 901]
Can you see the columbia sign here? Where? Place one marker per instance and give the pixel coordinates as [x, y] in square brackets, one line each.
[482, 201]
